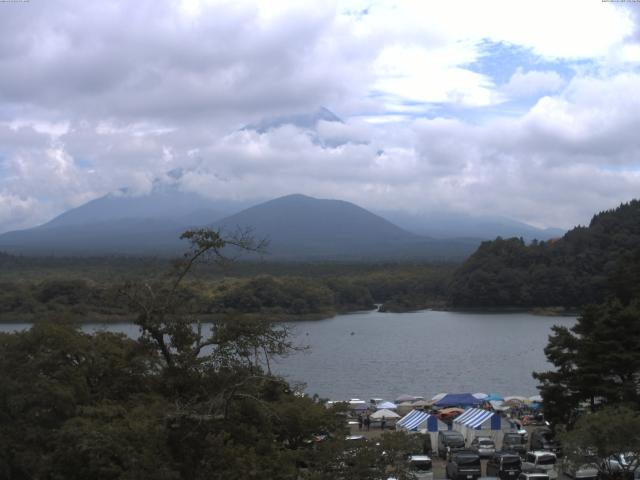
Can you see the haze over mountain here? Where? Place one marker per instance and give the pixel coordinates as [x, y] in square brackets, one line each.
[447, 225]
[297, 226]
[305, 121]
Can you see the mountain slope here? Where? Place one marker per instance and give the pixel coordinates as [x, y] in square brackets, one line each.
[450, 225]
[298, 226]
[120, 223]
[570, 271]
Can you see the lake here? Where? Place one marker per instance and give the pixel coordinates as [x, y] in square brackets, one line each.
[374, 354]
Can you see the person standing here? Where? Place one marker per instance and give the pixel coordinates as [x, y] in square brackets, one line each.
[360, 421]
[367, 422]
[383, 423]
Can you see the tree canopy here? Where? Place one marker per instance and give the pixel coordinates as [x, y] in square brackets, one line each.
[571, 271]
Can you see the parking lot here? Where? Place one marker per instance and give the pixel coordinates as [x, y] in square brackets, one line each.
[439, 464]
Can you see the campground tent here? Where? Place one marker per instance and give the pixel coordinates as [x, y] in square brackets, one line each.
[422, 422]
[389, 417]
[387, 414]
[476, 422]
[458, 400]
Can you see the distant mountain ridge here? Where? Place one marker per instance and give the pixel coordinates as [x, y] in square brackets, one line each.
[447, 225]
[299, 227]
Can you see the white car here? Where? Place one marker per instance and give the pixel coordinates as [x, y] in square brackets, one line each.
[585, 468]
[533, 476]
[541, 460]
[421, 467]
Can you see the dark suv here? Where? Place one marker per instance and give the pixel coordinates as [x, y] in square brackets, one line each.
[513, 442]
[542, 439]
[505, 465]
[464, 465]
[449, 441]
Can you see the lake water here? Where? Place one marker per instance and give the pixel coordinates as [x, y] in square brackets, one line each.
[373, 354]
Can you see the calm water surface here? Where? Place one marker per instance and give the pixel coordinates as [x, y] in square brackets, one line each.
[372, 354]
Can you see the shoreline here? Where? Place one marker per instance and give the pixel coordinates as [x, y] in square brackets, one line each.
[292, 318]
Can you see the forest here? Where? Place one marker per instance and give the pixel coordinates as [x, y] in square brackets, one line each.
[90, 289]
[569, 272]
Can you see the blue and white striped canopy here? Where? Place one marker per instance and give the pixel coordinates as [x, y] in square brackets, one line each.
[412, 419]
[473, 417]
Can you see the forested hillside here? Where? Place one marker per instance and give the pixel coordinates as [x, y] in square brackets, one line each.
[81, 290]
[571, 271]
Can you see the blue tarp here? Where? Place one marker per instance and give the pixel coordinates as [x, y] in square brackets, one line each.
[458, 400]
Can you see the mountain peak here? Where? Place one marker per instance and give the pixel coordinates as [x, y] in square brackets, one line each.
[305, 120]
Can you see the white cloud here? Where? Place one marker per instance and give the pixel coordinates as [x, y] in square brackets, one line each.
[532, 83]
[104, 107]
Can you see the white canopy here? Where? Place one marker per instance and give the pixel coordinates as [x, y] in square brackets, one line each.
[386, 405]
[384, 413]
[437, 397]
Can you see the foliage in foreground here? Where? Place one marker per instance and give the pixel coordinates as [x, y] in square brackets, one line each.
[598, 439]
[592, 397]
[597, 361]
[181, 402]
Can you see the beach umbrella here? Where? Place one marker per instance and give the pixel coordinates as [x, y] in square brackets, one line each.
[498, 405]
[404, 407]
[437, 397]
[448, 414]
[515, 401]
[535, 399]
[421, 404]
[516, 398]
[480, 395]
[406, 398]
[495, 397]
[386, 405]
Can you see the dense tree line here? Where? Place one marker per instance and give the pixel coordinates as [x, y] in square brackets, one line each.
[570, 272]
[289, 292]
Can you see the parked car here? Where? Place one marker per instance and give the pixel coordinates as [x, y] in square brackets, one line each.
[579, 470]
[513, 442]
[464, 465]
[421, 467]
[541, 461]
[485, 446]
[542, 439]
[504, 465]
[622, 462]
[533, 476]
[449, 441]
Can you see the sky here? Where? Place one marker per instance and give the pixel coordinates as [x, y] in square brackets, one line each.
[524, 109]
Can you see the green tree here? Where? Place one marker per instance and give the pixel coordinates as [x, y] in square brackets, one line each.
[184, 401]
[597, 361]
[605, 435]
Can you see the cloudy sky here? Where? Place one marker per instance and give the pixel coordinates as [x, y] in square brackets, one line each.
[526, 109]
